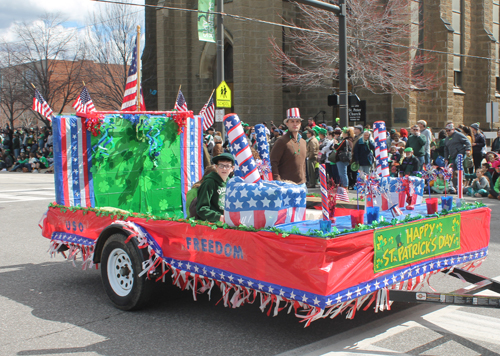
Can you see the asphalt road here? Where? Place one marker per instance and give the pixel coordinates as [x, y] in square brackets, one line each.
[49, 307]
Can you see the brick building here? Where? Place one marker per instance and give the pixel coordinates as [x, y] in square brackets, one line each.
[463, 32]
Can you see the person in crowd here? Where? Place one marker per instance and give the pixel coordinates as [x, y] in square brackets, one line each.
[209, 140]
[193, 192]
[33, 162]
[456, 143]
[492, 162]
[311, 123]
[441, 142]
[21, 163]
[212, 191]
[495, 146]
[337, 134]
[410, 164]
[480, 186]
[403, 134]
[217, 150]
[394, 156]
[288, 156]
[16, 145]
[363, 152]
[478, 146]
[329, 153]
[417, 141]
[312, 145]
[441, 187]
[276, 135]
[6, 160]
[395, 138]
[344, 156]
[358, 133]
[495, 191]
[426, 132]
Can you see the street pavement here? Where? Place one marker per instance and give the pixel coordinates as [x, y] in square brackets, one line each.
[49, 307]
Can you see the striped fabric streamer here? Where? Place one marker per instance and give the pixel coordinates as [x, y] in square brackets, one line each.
[263, 148]
[72, 162]
[460, 179]
[191, 156]
[324, 192]
[380, 136]
[239, 143]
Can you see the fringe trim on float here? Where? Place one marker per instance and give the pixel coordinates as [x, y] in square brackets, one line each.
[72, 252]
[235, 295]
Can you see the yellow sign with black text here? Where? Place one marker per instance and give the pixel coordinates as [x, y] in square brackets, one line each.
[223, 96]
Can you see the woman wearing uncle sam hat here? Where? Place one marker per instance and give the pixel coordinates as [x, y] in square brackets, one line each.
[288, 156]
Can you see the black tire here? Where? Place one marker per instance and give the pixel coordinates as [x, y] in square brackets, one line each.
[124, 287]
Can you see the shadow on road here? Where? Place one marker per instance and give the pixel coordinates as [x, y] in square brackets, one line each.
[172, 324]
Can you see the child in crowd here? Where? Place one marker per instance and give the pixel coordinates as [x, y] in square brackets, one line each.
[440, 186]
[21, 163]
[495, 191]
[479, 186]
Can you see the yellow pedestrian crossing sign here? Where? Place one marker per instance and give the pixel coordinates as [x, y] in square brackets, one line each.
[223, 96]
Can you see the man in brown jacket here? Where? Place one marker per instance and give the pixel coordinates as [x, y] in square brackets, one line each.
[312, 157]
[288, 156]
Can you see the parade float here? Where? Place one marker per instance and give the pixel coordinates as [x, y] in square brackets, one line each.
[121, 181]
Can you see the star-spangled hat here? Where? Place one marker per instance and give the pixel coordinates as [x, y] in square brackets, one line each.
[292, 113]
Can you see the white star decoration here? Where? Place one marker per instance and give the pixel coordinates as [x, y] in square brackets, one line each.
[238, 204]
[304, 298]
[252, 202]
[265, 202]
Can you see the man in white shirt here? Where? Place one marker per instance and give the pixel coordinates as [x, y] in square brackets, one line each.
[424, 130]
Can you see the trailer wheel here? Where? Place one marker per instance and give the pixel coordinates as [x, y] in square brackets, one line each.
[120, 266]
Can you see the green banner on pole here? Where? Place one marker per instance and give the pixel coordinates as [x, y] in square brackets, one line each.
[408, 243]
[206, 20]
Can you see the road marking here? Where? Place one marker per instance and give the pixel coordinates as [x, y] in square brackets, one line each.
[13, 196]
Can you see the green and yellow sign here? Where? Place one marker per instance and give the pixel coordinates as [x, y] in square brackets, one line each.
[408, 243]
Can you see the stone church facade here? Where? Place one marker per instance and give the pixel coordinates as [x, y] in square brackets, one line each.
[464, 34]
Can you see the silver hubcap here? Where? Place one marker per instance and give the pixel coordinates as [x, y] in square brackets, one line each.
[120, 272]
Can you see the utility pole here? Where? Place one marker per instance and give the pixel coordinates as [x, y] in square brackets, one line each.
[340, 11]
[220, 42]
[343, 89]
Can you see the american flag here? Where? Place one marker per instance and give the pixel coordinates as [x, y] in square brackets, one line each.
[180, 102]
[265, 204]
[72, 162]
[460, 179]
[41, 106]
[84, 103]
[191, 156]
[130, 96]
[342, 194]
[208, 113]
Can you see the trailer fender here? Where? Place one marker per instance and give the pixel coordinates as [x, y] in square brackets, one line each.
[103, 237]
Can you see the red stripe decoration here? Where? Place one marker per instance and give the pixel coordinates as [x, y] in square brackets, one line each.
[324, 192]
[64, 154]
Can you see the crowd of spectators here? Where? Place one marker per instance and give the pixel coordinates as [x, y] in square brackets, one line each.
[345, 151]
[26, 150]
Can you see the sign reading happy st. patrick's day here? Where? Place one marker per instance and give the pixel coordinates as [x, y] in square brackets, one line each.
[408, 243]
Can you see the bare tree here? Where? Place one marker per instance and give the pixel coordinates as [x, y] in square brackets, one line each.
[14, 95]
[52, 58]
[380, 58]
[111, 36]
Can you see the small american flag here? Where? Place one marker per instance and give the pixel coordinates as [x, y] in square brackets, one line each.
[208, 113]
[342, 194]
[84, 103]
[180, 103]
[41, 106]
[130, 96]
[460, 178]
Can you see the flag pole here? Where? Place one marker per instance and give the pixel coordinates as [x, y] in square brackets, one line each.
[33, 85]
[138, 106]
[178, 91]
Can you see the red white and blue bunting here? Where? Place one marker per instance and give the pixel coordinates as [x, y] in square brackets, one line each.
[238, 289]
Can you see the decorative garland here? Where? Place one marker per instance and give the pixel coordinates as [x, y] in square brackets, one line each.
[295, 231]
[93, 123]
[180, 119]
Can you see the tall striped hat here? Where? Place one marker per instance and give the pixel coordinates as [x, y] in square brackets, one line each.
[292, 113]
